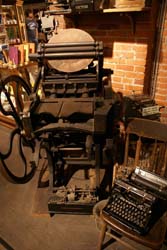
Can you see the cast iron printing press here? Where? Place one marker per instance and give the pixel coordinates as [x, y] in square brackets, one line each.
[72, 119]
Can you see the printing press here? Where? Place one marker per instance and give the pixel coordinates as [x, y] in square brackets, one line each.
[70, 114]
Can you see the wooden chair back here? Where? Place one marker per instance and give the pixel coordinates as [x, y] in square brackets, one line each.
[146, 147]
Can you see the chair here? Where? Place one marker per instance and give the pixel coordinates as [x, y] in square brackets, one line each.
[146, 147]
[154, 239]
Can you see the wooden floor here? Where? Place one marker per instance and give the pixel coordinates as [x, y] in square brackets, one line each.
[21, 228]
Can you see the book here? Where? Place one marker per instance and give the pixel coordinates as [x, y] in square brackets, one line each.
[13, 55]
[20, 54]
[26, 52]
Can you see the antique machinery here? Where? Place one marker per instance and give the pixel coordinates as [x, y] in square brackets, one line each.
[141, 106]
[69, 115]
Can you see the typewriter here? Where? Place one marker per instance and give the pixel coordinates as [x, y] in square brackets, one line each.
[139, 105]
[73, 118]
[138, 204]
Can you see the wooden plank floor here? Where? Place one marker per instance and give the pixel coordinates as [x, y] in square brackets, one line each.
[22, 229]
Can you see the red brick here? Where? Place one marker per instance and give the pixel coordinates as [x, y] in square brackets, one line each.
[134, 88]
[163, 74]
[139, 69]
[117, 85]
[163, 53]
[119, 73]
[125, 67]
[161, 85]
[160, 98]
[161, 91]
[164, 46]
[116, 79]
[127, 80]
[123, 47]
[162, 67]
[119, 61]
[141, 48]
[123, 54]
[134, 75]
[162, 79]
[141, 55]
[114, 60]
[139, 81]
[141, 62]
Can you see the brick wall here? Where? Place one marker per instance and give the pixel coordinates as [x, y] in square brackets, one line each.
[127, 46]
[128, 50]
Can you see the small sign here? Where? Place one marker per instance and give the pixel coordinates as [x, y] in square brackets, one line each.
[150, 110]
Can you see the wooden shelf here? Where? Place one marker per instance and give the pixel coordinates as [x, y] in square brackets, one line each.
[134, 9]
[101, 11]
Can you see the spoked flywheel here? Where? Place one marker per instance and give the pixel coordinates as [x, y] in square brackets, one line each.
[18, 160]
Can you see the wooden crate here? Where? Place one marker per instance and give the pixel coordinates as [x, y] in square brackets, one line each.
[127, 3]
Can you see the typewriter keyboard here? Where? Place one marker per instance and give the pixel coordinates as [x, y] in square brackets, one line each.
[130, 213]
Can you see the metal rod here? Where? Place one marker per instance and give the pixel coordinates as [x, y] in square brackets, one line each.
[80, 44]
[69, 77]
[72, 81]
[69, 49]
[74, 55]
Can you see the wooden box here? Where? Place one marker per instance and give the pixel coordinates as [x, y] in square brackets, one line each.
[127, 3]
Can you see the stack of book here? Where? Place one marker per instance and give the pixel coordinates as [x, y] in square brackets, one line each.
[18, 55]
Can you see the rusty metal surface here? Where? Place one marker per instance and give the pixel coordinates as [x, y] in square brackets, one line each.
[69, 36]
